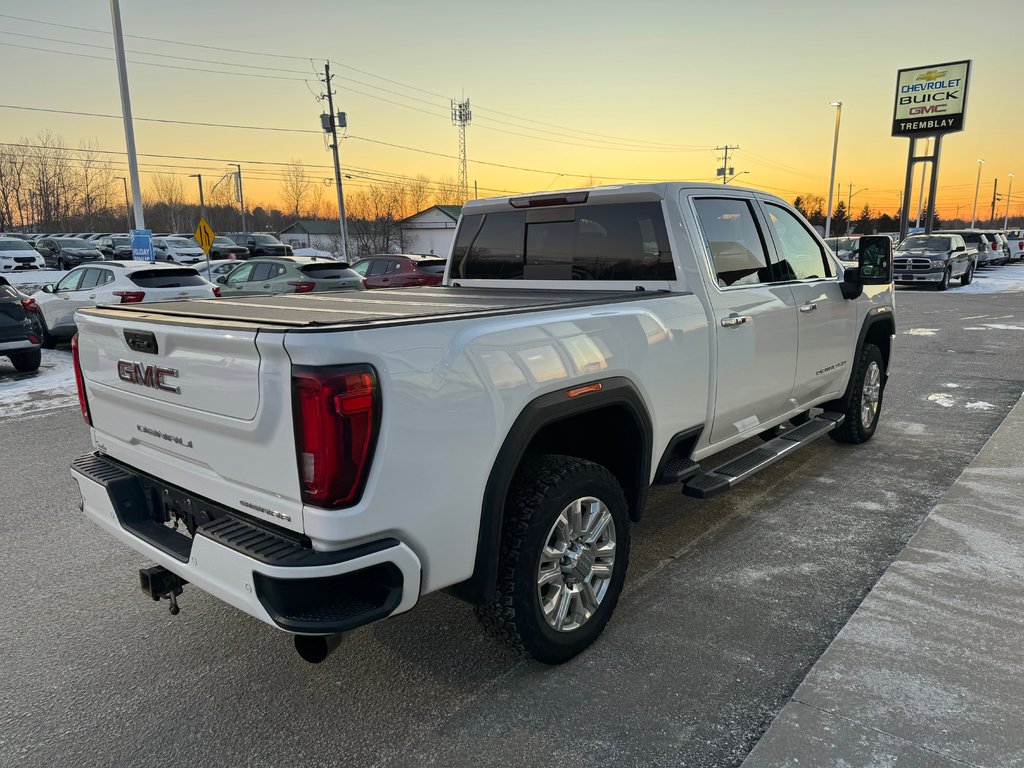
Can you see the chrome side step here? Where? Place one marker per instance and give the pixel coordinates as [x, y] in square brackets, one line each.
[711, 483]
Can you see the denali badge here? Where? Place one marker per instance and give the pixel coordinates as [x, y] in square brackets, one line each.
[147, 375]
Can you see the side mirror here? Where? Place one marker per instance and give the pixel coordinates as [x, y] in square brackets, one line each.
[250, 243]
[960, 248]
[874, 260]
[48, 288]
[222, 279]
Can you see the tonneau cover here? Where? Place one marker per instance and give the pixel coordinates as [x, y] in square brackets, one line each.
[358, 309]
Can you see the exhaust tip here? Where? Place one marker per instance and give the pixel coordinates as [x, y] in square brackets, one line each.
[316, 648]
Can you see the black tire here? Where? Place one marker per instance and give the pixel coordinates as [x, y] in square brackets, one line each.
[943, 284]
[27, 361]
[48, 341]
[854, 430]
[968, 277]
[541, 489]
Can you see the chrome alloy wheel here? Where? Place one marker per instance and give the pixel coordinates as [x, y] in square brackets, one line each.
[871, 394]
[576, 564]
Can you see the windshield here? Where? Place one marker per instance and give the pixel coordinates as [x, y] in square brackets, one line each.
[266, 239]
[71, 242]
[223, 241]
[925, 243]
[119, 241]
[180, 242]
[15, 245]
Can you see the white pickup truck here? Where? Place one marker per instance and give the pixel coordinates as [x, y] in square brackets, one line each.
[321, 461]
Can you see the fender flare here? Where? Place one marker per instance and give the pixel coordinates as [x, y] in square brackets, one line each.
[535, 416]
[876, 316]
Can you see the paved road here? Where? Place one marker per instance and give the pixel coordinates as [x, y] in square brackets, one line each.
[728, 604]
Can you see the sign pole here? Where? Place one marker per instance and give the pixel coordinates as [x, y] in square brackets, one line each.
[933, 185]
[908, 185]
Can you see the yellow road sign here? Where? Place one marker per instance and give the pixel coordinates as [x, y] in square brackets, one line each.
[204, 236]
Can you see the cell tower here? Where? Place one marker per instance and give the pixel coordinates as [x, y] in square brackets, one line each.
[462, 116]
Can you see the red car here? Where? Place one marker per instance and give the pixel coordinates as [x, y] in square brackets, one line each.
[400, 270]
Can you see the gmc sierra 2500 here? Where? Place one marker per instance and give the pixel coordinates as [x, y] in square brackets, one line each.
[321, 461]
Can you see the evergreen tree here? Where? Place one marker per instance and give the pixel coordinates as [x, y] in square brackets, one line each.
[866, 221]
[840, 220]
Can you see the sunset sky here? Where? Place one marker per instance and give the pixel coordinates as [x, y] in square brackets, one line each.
[613, 91]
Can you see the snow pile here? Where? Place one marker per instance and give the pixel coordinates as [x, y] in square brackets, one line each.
[31, 280]
[28, 394]
[1008, 279]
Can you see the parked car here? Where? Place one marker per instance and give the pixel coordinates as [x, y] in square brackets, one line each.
[260, 243]
[332, 459]
[289, 274]
[178, 249]
[17, 254]
[934, 259]
[116, 247]
[19, 329]
[97, 235]
[114, 282]
[226, 248]
[67, 252]
[1015, 241]
[217, 268]
[989, 252]
[400, 270]
[1004, 244]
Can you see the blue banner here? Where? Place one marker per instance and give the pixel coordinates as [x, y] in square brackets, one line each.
[142, 245]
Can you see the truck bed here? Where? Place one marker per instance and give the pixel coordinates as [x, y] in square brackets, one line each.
[360, 309]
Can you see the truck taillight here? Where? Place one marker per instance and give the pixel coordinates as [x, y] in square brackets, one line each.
[303, 286]
[83, 401]
[216, 291]
[337, 415]
[995, 247]
[130, 297]
[30, 305]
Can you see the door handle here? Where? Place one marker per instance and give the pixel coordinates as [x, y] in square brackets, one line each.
[736, 320]
[808, 307]
[93, 296]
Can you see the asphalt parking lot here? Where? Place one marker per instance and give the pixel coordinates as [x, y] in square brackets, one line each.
[728, 603]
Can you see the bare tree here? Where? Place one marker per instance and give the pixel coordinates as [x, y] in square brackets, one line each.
[170, 209]
[418, 194]
[295, 188]
[96, 178]
[373, 215]
[320, 206]
[448, 192]
[14, 194]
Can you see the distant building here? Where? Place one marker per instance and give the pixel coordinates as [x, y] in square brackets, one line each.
[314, 233]
[431, 231]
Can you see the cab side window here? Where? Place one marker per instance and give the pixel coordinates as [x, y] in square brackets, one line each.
[800, 255]
[734, 241]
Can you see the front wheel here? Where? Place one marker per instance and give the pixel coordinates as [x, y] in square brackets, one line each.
[943, 284]
[865, 398]
[563, 558]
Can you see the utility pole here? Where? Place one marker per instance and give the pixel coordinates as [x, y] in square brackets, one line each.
[238, 193]
[202, 202]
[127, 209]
[1009, 192]
[995, 186]
[476, 195]
[725, 171]
[126, 112]
[462, 116]
[330, 123]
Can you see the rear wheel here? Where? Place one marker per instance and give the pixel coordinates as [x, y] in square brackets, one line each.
[27, 361]
[968, 277]
[563, 558]
[865, 399]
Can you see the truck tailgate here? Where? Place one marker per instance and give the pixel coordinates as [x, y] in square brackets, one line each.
[208, 410]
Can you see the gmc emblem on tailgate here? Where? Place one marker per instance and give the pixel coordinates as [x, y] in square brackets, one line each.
[147, 375]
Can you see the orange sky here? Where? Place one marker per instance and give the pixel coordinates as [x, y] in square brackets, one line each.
[606, 90]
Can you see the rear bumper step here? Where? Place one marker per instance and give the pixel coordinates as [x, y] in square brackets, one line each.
[708, 484]
[275, 577]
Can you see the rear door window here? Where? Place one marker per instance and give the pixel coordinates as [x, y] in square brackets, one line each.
[378, 267]
[262, 272]
[166, 278]
[90, 280]
[734, 240]
[619, 241]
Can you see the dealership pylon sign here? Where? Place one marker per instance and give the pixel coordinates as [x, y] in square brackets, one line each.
[930, 101]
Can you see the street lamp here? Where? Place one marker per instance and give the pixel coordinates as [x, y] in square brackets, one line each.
[1006, 218]
[977, 186]
[127, 210]
[849, 206]
[734, 176]
[832, 176]
[202, 202]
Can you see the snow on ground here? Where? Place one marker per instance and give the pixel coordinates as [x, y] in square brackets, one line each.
[31, 280]
[30, 394]
[313, 252]
[1008, 279]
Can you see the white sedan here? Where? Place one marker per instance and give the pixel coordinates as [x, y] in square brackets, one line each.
[17, 254]
[179, 249]
[114, 282]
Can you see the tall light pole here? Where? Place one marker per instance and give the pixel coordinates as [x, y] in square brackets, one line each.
[202, 202]
[127, 210]
[977, 186]
[832, 176]
[126, 112]
[238, 189]
[1009, 191]
[849, 204]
